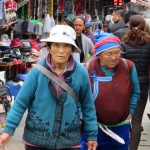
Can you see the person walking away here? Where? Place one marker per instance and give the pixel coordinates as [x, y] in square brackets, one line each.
[125, 29]
[83, 42]
[118, 19]
[53, 120]
[136, 47]
[114, 105]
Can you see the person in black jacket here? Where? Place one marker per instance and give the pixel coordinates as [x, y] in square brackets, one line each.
[125, 29]
[136, 47]
[118, 19]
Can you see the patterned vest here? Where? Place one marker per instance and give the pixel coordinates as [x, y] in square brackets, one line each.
[113, 100]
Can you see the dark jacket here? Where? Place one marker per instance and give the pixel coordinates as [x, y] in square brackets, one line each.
[140, 55]
[121, 32]
[120, 24]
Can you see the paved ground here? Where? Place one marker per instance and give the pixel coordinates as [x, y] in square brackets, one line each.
[145, 139]
[16, 141]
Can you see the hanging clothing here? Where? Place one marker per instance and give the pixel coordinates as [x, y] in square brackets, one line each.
[47, 24]
[1, 9]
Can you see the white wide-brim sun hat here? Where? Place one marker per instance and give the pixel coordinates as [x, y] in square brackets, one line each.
[63, 34]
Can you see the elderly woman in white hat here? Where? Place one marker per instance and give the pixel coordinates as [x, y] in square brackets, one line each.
[53, 119]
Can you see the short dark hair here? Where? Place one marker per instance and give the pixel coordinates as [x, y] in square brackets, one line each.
[68, 22]
[49, 44]
[129, 14]
[120, 11]
[79, 17]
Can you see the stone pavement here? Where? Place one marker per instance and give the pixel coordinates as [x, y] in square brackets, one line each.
[145, 139]
[16, 141]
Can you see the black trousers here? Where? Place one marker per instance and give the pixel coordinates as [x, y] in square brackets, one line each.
[27, 147]
[137, 121]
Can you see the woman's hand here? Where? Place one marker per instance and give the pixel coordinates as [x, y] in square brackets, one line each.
[92, 145]
[4, 139]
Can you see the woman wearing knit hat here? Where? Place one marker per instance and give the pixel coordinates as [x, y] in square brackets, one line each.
[116, 91]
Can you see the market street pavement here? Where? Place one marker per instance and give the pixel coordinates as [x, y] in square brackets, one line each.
[16, 141]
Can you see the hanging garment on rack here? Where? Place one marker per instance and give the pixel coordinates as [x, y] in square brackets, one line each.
[40, 10]
[18, 26]
[25, 26]
[35, 27]
[47, 24]
[68, 7]
[2, 14]
[52, 21]
[61, 6]
[39, 29]
[79, 7]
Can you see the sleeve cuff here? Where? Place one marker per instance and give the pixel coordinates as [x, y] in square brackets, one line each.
[92, 138]
[9, 130]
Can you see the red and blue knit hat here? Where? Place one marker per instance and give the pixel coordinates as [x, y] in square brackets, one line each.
[104, 41]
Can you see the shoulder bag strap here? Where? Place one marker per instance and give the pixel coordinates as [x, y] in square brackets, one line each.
[51, 76]
[126, 65]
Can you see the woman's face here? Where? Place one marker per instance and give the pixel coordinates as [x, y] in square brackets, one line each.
[60, 52]
[110, 58]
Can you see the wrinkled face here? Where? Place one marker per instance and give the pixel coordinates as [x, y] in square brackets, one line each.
[115, 17]
[60, 52]
[78, 26]
[110, 58]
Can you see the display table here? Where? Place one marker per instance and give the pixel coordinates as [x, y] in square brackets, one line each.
[10, 69]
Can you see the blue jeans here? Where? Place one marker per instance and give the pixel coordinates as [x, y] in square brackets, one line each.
[107, 143]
